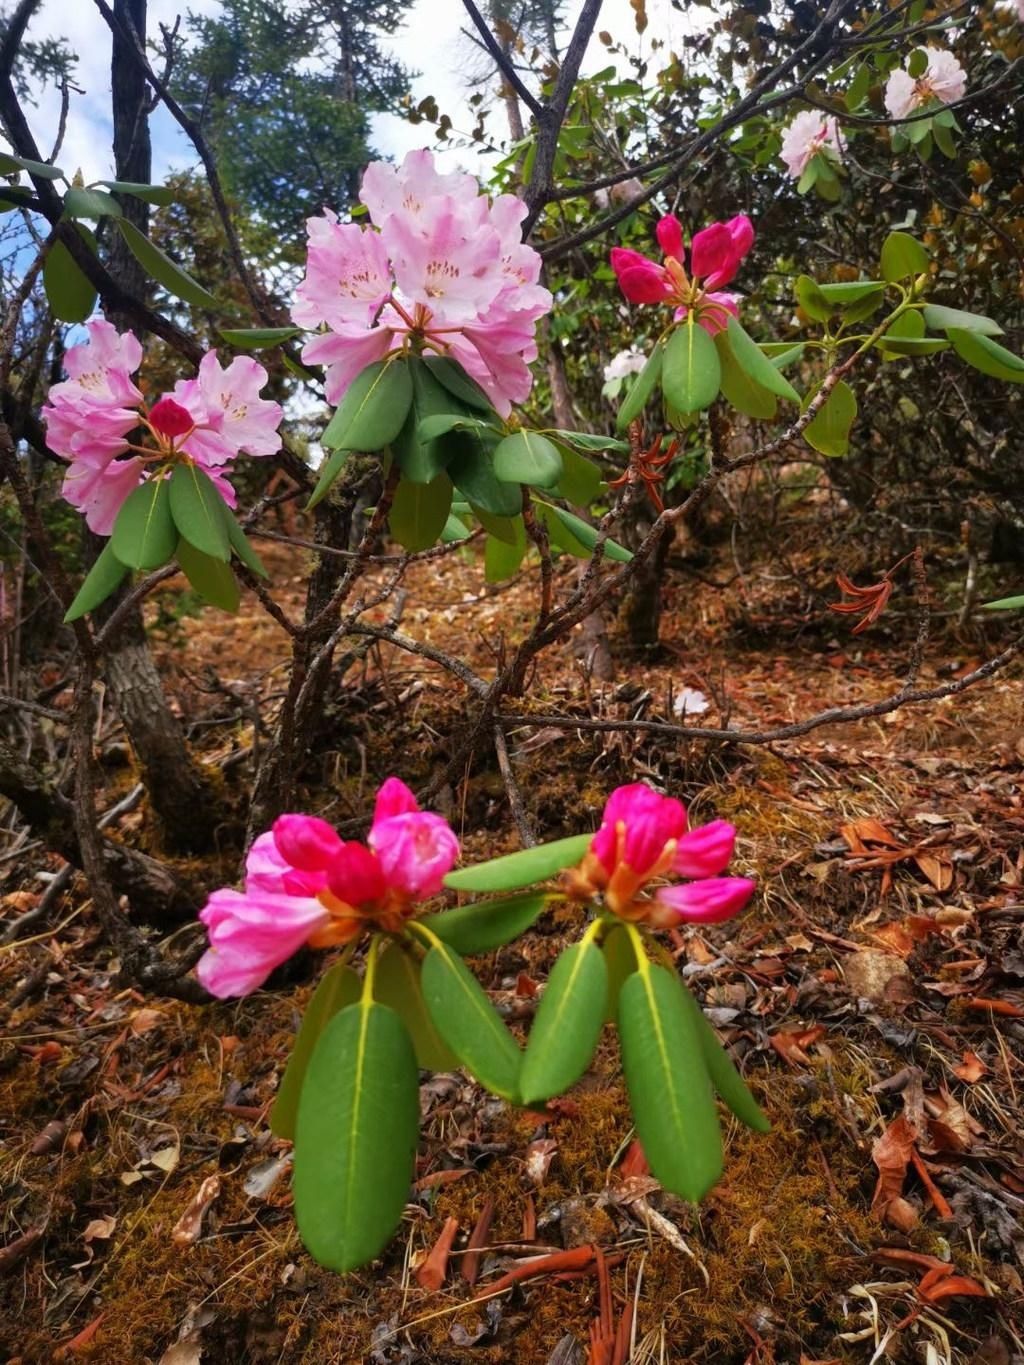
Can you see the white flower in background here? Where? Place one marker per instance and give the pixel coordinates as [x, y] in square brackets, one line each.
[689, 701]
[944, 79]
[809, 133]
[626, 362]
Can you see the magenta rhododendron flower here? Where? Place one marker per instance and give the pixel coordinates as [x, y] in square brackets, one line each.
[207, 422]
[305, 884]
[944, 81]
[644, 838]
[715, 255]
[810, 132]
[443, 270]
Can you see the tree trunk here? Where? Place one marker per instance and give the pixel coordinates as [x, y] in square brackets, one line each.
[178, 794]
[640, 614]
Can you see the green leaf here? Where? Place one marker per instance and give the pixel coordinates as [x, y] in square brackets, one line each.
[419, 512]
[454, 529]
[469, 1023]
[484, 925]
[811, 299]
[329, 471]
[691, 375]
[397, 984]
[524, 868]
[355, 1136]
[374, 408]
[102, 579]
[903, 257]
[918, 63]
[669, 1090]
[642, 388]
[43, 169]
[913, 345]
[338, 987]
[987, 355]
[581, 479]
[199, 511]
[620, 964]
[159, 265]
[527, 457]
[430, 428]
[809, 176]
[944, 140]
[586, 535]
[560, 537]
[212, 578]
[421, 453]
[1002, 604]
[81, 203]
[753, 361]
[471, 470]
[508, 529]
[144, 534]
[737, 386]
[726, 1080]
[586, 440]
[502, 560]
[257, 338]
[939, 319]
[242, 547]
[848, 292]
[71, 296]
[457, 382]
[829, 430]
[858, 88]
[152, 194]
[781, 353]
[567, 1024]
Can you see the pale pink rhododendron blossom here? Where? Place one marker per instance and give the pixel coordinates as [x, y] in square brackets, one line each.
[625, 363]
[304, 884]
[206, 422]
[808, 134]
[443, 270]
[645, 838]
[715, 256]
[944, 80]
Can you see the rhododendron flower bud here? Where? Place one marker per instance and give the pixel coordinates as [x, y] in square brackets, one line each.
[705, 851]
[416, 849]
[393, 798]
[669, 233]
[356, 875]
[306, 842]
[170, 418]
[715, 256]
[708, 901]
[636, 826]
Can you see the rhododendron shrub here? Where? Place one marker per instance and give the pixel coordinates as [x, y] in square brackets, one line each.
[154, 477]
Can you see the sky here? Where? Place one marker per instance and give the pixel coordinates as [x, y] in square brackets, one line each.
[430, 42]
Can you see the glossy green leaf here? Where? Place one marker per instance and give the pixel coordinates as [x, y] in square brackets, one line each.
[243, 548]
[620, 964]
[420, 451]
[484, 925]
[809, 176]
[580, 480]
[419, 512]
[857, 90]
[669, 1090]
[850, 291]
[939, 318]
[567, 1024]
[430, 428]
[829, 429]
[457, 382]
[328, 473]
[944, 140]
[987, 355]
[1001, 604]
[524, 868]
[642, 388]
[527, 457]
[103, 578]
[144, 534]
[469, 1023]
[71, 296]
[502, 560]
[152, 194]
[737, 386]
[355, 1136]
[471, 470]
[397, 984]
[586, 535]
[508, 529]
[589, 441]
[757, 366]
[918, 63]
[161, 268]
[258, 338]
[691, 375]
[82, 203]
[212, 578]
[454, 529]
[43, 169]
[726, 1080]
[338, 987]
[811, 299]
[903, 257]
[374, 408]
[781, 353]
[911, 346]
[199, 511]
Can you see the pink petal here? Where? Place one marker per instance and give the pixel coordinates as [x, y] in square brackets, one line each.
[306, 842]
[705, 852]
[251, 934]
[393, 798]
[650, 820]
[416, 852]
[670, 236]
[707, 902]
[170, 418]
[356, 876]
[711, 251]
[645, 284]
[741, 230]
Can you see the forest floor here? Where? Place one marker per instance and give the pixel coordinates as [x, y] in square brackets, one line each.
[873, 995]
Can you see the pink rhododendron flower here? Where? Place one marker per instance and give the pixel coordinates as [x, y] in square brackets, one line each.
[944, 80]
[442, 269]
[810, 132]
[715, 255]
[644, 838]
[207, 422]
[305, 884]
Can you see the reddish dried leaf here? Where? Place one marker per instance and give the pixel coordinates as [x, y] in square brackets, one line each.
[189, 1226]
[791, 1044]
[971, 1069]
[937, 869]
[431, 1273]
[892, 1154]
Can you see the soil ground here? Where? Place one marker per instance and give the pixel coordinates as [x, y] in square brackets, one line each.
[873, 995]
